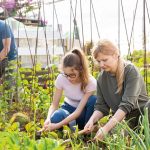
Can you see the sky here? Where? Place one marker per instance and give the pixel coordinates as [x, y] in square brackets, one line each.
[106, 12]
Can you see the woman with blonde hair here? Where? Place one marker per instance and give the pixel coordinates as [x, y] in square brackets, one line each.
[120, 87]
[78, 87]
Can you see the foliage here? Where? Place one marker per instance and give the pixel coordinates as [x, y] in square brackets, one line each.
[20, 121]
[17, 141]
[143, 65]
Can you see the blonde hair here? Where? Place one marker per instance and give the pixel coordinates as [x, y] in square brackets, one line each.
[76, 58]
[108, 48]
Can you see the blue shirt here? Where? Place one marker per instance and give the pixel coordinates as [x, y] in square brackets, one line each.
[5, 32]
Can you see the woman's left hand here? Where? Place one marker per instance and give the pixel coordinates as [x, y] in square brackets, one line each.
[51, 127]
[100, 134]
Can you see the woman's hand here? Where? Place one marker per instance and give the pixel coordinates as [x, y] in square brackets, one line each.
[47, 121]
[88, 128]
[100, 134]
[51, 127]
[48, 126]
[117, 117]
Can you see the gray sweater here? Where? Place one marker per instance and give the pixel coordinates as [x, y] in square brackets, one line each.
[133, 95]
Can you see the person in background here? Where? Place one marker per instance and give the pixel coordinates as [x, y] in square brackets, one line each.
[120, 87]
[78, 87]
[8, 57]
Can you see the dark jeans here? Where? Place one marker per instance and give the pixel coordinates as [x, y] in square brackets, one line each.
[8, 71]
[133, 117]
[66, 109]
[3, 65]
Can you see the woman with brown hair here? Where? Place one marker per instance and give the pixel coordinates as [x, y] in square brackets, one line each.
[78, 87]
[120, 87]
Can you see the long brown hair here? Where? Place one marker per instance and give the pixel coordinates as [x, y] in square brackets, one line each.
[108, 48]
[76, 58]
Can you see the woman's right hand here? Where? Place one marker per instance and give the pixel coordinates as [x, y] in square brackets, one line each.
[88, 128]
[47, 121]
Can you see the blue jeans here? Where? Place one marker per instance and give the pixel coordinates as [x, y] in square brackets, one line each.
[9, 76]
[66, 109]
